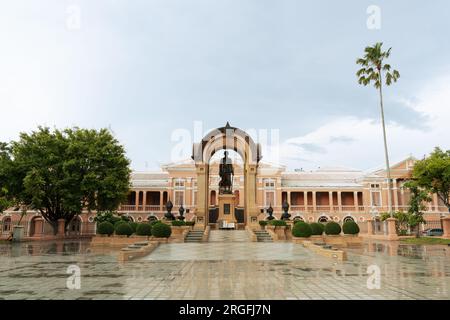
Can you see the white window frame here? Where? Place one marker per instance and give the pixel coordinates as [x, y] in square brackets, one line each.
[274, 197]
[175, 198]
[371, 198]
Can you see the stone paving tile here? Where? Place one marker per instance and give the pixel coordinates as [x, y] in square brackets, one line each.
[250, 271]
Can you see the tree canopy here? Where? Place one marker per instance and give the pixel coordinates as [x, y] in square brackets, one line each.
[433, 174]
[5, 164]
[60, 172]
[374, 67]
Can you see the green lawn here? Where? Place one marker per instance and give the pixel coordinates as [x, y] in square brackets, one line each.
[426, 240]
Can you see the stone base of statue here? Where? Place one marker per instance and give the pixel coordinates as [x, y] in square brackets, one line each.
[18, 232]
[226, 210]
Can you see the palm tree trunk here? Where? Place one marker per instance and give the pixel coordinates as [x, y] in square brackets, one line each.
[386, 155]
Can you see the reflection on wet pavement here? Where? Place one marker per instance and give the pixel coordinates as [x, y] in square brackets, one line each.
[247, 271]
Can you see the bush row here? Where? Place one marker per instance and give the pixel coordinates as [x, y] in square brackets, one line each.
[157, 229]
[304, 230]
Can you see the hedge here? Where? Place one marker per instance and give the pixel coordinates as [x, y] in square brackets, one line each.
[133, 226]
[123, 229]
[317, 228]
[105, 228]
[301, 229]
[263, 223]
[350, 227]
[278, 223]
[161, 230]
[119, 222]
[332, 228]
[178, 223]
[144, 229]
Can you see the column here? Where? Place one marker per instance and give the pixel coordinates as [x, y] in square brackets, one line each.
[402, 196]
[355, 200]
[61, 227]
[435, 202]
[38, 227]
[446, 227]
[136, 201]
[330, 200]
[369, 226]
[202, 205]
[250, 191]
[289, 200]
[305, 200]
[392, 232]
[339, 200]
[161, 197]
[314, 201]
[144, 200]
[394, 190]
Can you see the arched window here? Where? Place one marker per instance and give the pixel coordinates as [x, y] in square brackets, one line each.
[348, 218]
[298, 218]
[322, 219]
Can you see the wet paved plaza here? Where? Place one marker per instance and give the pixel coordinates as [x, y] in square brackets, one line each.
[230, 268]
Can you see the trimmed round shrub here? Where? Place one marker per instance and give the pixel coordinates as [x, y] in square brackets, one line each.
[123, 229]
[125, 218]
[317, 228]
[301, 229]
[152, 223]
[144, 229]
[350, 227]
[133, 226]
[190, 223]
[332, 228]
[262, 223]
[178, 223]
[119, 222]
[105, 228]
[161, 230]
[278, 223]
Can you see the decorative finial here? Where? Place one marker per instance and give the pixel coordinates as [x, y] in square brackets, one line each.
[227, 125]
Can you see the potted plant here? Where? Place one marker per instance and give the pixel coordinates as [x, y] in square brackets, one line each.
[263, 224]
[279, 227]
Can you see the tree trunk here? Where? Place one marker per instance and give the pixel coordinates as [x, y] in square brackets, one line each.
[54, 225]
[386, 154]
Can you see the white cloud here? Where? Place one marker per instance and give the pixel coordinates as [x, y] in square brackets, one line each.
[365, 148]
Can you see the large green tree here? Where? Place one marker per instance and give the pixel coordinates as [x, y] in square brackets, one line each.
[5, 165]
[375, 71]
[60, 172]
[433, 174]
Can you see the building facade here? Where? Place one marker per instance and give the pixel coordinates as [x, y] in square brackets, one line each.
[322, 195]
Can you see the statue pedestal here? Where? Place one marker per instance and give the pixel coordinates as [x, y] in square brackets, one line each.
[226, 208]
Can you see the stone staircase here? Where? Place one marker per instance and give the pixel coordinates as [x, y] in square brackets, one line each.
[263, 236]
[194, 236]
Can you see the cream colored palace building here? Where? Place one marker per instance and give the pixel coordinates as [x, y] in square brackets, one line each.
[314, 196]
[325, 194]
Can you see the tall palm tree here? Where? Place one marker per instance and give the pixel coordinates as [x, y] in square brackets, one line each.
[372, 72]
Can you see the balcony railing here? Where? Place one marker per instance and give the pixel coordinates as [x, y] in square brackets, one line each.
[297, 208]
[132, 207]
[153, 208]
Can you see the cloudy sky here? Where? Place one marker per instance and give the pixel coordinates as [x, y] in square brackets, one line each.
[160, 73]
